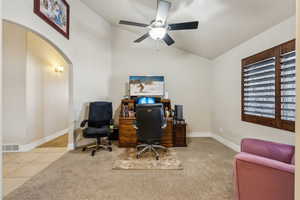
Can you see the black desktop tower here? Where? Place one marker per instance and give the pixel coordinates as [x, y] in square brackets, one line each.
[178, 112]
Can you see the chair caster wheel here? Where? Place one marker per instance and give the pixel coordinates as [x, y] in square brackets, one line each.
[109, 149]
[157, 157]
[93, 153]
[84, 149]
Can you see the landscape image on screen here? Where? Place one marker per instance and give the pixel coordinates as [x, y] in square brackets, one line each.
[146, 85]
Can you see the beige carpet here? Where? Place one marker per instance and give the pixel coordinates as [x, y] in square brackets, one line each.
[207, 175]
[127, 160]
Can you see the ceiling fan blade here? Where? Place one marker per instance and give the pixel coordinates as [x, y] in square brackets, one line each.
[142, 38]
[184, 26]
[133, 23]
[163, 8]
[168, 40]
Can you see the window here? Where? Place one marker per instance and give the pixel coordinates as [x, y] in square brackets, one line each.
[268, 87]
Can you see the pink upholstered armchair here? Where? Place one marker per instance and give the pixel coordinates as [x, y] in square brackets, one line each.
[264, 171]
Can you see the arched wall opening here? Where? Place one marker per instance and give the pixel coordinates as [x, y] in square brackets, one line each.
[42, 112]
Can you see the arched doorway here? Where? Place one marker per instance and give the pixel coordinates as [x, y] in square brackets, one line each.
[52, 63]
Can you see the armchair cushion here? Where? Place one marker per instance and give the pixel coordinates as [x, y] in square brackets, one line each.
[96, 132]
[271, 150]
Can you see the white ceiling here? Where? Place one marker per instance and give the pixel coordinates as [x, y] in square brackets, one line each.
[223, 24]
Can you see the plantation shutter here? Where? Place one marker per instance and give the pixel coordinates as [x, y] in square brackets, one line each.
[259, 88]
[269, 87]
[288, 86]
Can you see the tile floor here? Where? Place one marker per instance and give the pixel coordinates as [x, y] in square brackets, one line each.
[20, 167]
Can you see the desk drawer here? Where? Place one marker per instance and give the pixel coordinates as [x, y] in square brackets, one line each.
[126, 122]
[127, 134]
[127, 129]
[167, 144]
[127, 140]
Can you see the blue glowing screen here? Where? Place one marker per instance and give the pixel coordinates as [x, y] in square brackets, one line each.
[146, 100]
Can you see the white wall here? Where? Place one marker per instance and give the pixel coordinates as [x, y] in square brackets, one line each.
[14, 82]
[34, 97]
[226, 81]
[187, 75]
[88, 49]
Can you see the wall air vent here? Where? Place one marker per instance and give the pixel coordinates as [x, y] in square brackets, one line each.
[10, 148]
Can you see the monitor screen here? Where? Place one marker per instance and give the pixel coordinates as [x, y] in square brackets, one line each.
[146, 100]
[147, 86]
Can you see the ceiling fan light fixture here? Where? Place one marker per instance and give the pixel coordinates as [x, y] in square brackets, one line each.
[158, 33]
[159, 27]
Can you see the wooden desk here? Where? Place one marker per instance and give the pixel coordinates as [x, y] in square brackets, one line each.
[179, 135]
[127, 133]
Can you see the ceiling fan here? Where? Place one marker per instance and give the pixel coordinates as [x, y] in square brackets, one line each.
[158, 28]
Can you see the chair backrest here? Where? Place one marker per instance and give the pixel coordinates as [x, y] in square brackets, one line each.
[149, 120]
[100, 114]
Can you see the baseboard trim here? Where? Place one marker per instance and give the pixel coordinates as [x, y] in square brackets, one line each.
[227, 143]
[32, 145]
[219, 138]
[71, 146]
[199, 134]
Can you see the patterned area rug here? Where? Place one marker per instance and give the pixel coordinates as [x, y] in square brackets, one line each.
[127, 161]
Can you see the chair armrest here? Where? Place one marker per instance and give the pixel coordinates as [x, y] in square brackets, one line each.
[266, 162]
[83, 123]
[272, 150]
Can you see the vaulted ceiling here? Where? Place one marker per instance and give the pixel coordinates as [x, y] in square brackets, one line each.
[223, 24]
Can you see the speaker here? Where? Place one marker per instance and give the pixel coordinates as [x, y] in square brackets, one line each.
[178, 112]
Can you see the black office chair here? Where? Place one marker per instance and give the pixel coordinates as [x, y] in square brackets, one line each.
[150, 122]
[100, 118]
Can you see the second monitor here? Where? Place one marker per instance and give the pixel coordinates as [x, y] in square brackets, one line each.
[146, 100]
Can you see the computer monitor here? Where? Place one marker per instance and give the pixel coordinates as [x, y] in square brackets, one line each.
[150, 86]
[146, 100]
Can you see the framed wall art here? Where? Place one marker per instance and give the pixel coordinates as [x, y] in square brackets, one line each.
[56, 13]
